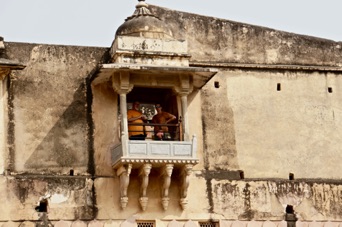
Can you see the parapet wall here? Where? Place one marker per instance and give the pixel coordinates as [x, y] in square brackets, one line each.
[218, 40]
[48, 101]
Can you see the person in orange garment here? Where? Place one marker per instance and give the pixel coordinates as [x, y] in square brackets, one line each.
[162, 132]
[134, 115]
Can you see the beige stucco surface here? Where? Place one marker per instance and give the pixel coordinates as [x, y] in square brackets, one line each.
[294, 130]
[49, 105]
[218, 126]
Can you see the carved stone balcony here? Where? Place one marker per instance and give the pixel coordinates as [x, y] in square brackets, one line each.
[147, 154]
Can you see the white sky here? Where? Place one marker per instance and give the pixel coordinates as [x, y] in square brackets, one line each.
[94, 22]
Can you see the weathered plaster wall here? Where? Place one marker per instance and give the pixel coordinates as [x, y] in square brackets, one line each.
[50, 133]
[218, 40]
[260, 200]
[250, 125]
[106, 127]
[68, 198]
[48, 107]
[220, 151]
[294, 130]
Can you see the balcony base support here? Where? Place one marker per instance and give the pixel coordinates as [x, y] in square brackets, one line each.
[123, 173]
[144, 177]
[185, 180]
[143, 202]
[166, 173]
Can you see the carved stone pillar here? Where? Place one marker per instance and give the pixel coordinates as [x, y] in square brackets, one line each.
[166, 173]
[124, 123]
[122, 86]
[185, 180]
[144, 174]
[185, 124]
[183, 90]
[123, 172]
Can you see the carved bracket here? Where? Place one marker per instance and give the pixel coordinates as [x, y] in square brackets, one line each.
[144, 174]
[185, 180]
[121, 84]
[166, 173]
[4, 72]
[185, 86]
[123, 172]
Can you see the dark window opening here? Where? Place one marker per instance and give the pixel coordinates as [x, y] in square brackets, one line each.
[330, 90]
[278, 87]
[42, 206]
[291, 176]
[71, 172]
[148, 98]
[289, 209]
[242, 175]
[217, 84]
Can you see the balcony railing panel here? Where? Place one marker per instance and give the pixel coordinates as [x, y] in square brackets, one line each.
[150, 148]
[155, 151]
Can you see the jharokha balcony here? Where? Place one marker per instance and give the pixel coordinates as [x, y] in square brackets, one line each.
[140, 64]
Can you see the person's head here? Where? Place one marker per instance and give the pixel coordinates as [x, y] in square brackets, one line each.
[158, 107]
[135, 105]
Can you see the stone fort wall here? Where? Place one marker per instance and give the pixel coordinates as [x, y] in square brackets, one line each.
[267, 126]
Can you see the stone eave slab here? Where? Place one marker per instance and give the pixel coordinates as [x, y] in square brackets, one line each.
[200, 75]
[6, 63]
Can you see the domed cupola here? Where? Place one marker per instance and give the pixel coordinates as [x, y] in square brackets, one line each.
[147, 40]
[144, 24]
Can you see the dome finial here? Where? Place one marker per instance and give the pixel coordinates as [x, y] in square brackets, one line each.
[141, 10]
[141, 3]
[144, 23]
